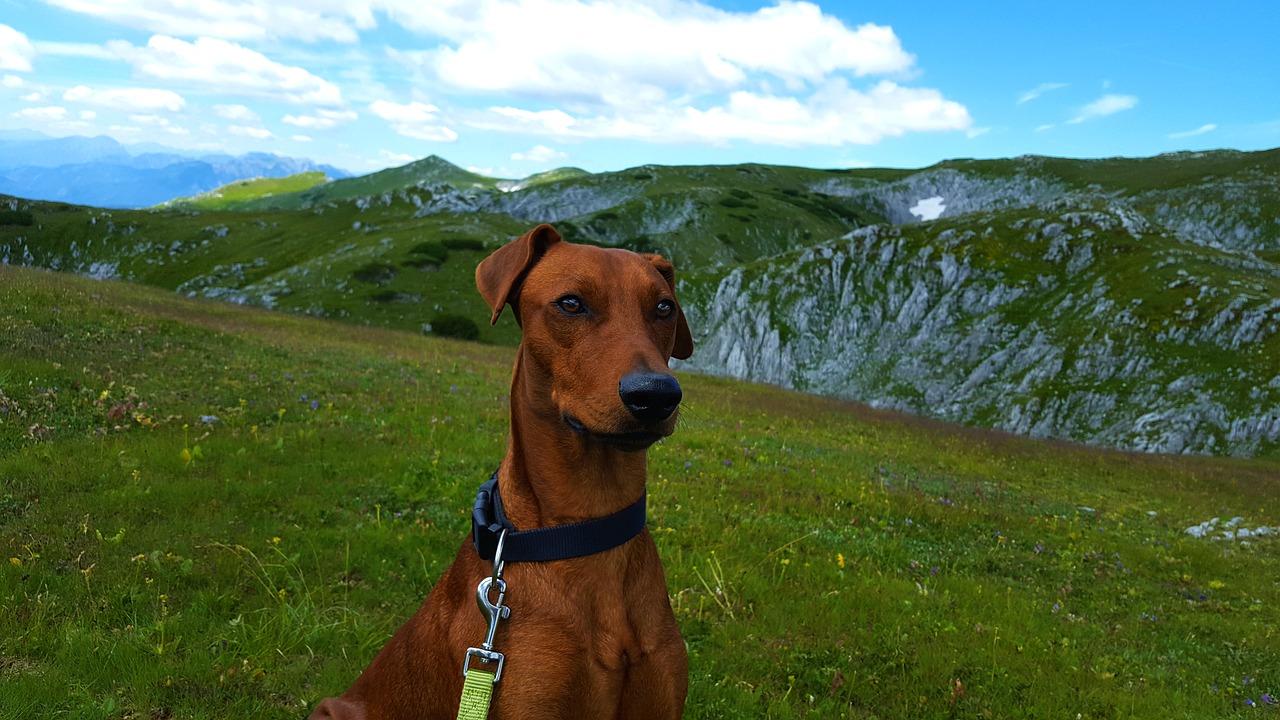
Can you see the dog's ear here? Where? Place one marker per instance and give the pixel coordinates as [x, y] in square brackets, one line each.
[684, 339]
[498, 276]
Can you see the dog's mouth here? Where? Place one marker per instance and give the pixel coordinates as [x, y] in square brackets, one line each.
[629, 441]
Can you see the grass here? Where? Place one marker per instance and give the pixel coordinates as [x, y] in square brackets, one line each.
[823, 559]
[243, 191]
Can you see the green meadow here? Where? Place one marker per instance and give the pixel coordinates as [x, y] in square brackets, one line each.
[212, 511]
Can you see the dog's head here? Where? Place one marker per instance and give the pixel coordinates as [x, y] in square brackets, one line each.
[599, 326]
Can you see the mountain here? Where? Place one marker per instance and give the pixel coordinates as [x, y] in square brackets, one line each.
[101, 172]
[1130, 303]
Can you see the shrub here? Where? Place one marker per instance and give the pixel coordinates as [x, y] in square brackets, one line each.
[17, 217]
[433, 251]
[375, 272]
[455, 326]
[464, 243]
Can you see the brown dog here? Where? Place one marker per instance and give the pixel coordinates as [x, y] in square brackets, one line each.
[592, 636]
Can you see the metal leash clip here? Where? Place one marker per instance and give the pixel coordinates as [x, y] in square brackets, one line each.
[493, 612]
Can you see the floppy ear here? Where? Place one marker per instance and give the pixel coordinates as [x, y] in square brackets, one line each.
[498, 276]
[684, 339]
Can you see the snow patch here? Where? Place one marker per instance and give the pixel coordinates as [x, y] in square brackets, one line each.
[929, 208]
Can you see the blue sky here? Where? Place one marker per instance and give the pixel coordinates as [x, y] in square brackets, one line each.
[513, 87]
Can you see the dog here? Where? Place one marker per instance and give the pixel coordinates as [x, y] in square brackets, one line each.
[587, 636]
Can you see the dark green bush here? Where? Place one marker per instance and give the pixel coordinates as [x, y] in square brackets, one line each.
[375, 272]
[463, 243]
[433, 251]
[455, 326]
[17, 217]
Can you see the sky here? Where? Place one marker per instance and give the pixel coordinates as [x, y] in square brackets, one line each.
[513, 87]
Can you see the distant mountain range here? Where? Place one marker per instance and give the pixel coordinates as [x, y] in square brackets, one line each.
[101, 172]
[1131, 303]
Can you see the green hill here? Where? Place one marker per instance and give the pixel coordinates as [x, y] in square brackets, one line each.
[1124, 302]
[214, 511]
[244, 191]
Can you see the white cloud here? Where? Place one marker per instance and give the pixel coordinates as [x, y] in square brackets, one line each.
[12, 81]
[246, 20]
[218, 66]
[33, 97]
[16, 51]
[69, 49]
[321, 119]
[257, 133]
[834, 115]
[394, 157]
[239, 113]
[539, 153]
[49, 113]
[1039, 90]
[1045, 128]
[604, 52]
[415, 120]
[127, 98]
[1104, 106]
[1202, 130]
[300, 138]
[88, 115]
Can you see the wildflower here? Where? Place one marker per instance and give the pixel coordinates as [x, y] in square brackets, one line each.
[687, 464]
[933, 571]
[840, 560]
[1268, 700]
[315, 404]
[727, 463]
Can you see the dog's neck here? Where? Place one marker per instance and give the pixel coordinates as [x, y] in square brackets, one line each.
[544, 452]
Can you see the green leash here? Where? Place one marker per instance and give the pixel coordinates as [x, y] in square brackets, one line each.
[477, 691]
[477, 685]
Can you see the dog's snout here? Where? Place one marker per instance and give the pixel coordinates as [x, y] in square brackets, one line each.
[650, 397]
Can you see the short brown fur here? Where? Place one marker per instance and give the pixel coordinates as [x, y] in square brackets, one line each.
[591, 637]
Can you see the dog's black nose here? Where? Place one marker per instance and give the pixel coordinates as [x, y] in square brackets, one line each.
[651, 397]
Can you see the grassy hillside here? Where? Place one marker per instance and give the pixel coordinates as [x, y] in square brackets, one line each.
[211, 511]
[243, 191]
[1128, 302]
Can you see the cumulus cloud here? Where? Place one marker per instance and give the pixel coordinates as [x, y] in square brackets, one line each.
[49, 113]
[257, 133]
[16, 51]
[604, 51]
[127, 98]
[321, 119]
[239, 113]
[12, 81]
[1039, 90]
[243, 20]
[1104, 106]
[218, 66]
[539, 153]
[834, 115]
[300, 138]
[416, 120]
[1202, 130]
[387, 156]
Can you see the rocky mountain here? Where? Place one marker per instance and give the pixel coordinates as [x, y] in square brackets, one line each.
[1131, 303]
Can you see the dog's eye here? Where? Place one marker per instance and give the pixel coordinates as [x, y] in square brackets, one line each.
[571, 304]
[666, 308]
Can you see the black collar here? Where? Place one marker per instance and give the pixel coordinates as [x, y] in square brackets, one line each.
[557, 542]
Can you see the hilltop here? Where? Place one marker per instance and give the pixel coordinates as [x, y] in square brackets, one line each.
[1132, 303]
